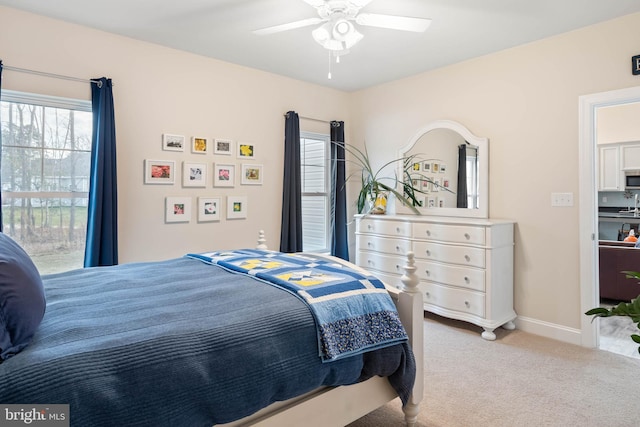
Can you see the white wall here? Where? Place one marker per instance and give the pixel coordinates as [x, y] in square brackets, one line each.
[618, 123]
[525, 100]
[159, 90]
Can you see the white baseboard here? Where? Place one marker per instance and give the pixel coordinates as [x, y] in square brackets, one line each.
[549, 330]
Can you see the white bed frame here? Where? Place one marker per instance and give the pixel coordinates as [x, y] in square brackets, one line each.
[338, 406]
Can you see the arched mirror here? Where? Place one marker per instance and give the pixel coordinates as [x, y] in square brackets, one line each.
[450, 168]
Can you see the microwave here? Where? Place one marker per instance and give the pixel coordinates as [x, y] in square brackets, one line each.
[632, 180]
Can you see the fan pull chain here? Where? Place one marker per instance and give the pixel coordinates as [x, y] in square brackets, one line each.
[329, 75]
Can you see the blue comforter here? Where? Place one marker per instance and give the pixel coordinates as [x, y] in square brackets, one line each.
[353, 311]
[178, 343]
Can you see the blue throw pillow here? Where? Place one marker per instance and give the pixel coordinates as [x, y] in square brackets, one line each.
[22, 301]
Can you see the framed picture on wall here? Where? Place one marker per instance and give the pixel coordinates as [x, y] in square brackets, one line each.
[194, 174]
[172, 142]
[236, 207]
[246, 151]
[223, 147]
[208, 209]
[178, 209]
[251, 174]
[199, 145]
[159, 171]
[437, 183]
[223, 175]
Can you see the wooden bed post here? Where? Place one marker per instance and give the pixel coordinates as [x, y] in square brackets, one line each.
[262, 242]
[411, 312]
[354, 401]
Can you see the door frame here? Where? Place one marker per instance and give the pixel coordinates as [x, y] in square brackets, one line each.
[588, 207]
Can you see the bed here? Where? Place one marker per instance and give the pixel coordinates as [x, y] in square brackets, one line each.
[191, 341]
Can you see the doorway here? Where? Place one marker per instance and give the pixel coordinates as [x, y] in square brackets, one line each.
[588, 207]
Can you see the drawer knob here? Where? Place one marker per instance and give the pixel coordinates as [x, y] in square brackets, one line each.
[398, 248]
[370, 227]
[467, 257]
[467, 236]
[466, 279]
[427, 272]
[466, 303]
[428, 233]
[369, 244]
[397, 229]
[428, 252]
[427, 294]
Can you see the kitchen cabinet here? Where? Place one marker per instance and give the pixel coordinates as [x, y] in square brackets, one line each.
[630, 156]
[611, 174]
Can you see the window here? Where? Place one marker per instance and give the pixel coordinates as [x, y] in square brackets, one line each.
[46, 160]
[314, 161]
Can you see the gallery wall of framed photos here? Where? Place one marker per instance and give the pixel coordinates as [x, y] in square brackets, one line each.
[203, 165]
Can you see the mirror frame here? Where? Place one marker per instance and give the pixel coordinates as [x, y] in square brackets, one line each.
[483, 171]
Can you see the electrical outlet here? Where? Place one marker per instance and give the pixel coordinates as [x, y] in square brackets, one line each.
[561, 199]
[604, 199]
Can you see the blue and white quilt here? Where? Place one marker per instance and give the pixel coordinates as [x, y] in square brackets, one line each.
[354, 312]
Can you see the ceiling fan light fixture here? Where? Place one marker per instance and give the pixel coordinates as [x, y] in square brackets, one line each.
[339, 35]
[342, 28]
[322, 33]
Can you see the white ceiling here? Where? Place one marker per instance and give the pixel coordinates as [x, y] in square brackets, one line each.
[222, 29]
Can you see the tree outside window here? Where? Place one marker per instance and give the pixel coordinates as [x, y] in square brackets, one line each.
[46, 149]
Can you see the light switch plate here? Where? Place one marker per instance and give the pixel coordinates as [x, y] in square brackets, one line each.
[561, 199]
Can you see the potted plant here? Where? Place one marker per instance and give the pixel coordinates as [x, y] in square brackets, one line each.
[376, 187]
[628, 309]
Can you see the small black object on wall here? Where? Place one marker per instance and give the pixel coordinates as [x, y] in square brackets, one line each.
[635, 65]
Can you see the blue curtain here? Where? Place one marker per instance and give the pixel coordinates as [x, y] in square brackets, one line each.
[102, 226]
[339, 236]
[291, 229]
[462, 177]
[1, 226]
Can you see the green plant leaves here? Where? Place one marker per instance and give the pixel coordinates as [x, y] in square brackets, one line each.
[372, 183]
[628, 309]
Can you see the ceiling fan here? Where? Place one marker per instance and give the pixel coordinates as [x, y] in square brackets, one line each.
[337, 32]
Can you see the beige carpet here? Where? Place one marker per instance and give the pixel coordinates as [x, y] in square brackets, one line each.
[518, 380]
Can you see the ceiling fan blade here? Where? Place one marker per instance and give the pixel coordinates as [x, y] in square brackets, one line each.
[288, 26]
[358, 3]
[315, 3]
[404, 23]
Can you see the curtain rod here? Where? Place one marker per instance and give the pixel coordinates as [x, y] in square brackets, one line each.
[310, 118]
[43, 74]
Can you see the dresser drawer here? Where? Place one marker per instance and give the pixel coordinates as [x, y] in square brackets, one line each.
[389, 279]
[384, 263]
[450, 233]
[448, 274]
[387, 228]
[453, 298]
[386, 245]
[462, 255]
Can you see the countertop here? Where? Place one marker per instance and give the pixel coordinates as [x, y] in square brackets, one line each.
[618, 214]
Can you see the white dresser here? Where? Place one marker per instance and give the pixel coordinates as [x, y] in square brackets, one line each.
[465, 265]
